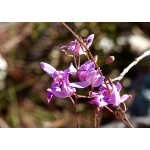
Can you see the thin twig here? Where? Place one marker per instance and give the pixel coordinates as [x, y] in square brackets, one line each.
[123, 120]
[75, 106]
[146, 53]
[96, 117]
[125, 108]
[109, 109]
[81, 96]
[126, 119]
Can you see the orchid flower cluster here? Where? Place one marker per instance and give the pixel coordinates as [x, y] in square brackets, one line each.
[88, 77]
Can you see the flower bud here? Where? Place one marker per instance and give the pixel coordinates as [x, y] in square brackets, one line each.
[96, 58]
[110, 59]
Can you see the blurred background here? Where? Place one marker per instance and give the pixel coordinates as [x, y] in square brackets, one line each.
[23, 83]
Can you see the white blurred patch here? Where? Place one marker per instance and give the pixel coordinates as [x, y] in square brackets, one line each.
[3, 63]
[3, 71]
[84, 33]
[122, 40]
[146, 93]
[126, 82]
[3, 67]
[54, 56]
[106, 44]
[138, 43]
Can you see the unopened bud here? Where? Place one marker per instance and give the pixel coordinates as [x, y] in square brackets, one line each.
[110, 59]
[96, 58]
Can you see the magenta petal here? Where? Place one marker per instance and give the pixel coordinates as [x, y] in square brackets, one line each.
[66, 89]
[103, 103]
[82, 75]
[49, 95]
[81, 50]
[48, 68]
[59, 94]
[119, 87]
[98, 81]
[124, 97]
[115, 98]
[82, 84]
[90, 40]
[90, 76]
[98, 100]
[94, 102]
[72, 70]
[73, 43]
[89, 65]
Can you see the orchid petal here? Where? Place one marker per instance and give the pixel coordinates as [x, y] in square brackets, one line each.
[49, 95]
[103, 103]
[81, 50]
[124, 97]
[119, 87]
[72, 70]
[98, 100]
[89, 65]
[90, 40]
[98, 81]
[67, 90]
[48, 68]
[59, 94]
[73, 43]
[90, 76]
[82, 84]
[115, 98]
